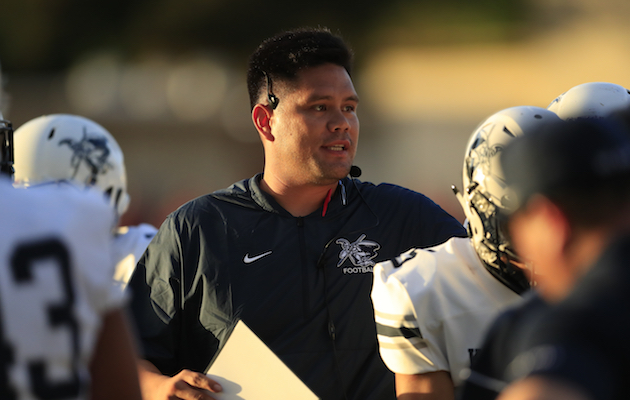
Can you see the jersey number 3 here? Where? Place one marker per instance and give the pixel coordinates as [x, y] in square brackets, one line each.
[24, 260]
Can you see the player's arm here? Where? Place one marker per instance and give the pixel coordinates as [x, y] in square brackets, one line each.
[185, 385]
[406, 344]
[429, 386]
[112, 366]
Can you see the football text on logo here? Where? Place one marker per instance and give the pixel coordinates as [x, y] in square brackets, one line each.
[360, 253]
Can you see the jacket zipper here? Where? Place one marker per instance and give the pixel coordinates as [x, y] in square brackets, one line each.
[303, 259]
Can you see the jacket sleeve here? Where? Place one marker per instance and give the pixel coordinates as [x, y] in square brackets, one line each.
[438, 225]
[166, 301]
[155, 304]
[418, 221]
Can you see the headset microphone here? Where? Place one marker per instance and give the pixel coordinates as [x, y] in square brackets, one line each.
[355, 171]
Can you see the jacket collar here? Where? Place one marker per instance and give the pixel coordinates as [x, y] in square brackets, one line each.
[339, 199]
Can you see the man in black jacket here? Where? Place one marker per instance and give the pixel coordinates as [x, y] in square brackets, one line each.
[289, 251]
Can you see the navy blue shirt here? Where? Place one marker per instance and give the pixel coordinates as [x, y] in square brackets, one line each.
[302, 284]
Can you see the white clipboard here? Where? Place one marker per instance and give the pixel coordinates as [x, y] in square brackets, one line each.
[248, 370]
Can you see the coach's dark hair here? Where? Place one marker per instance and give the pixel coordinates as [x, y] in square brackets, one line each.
[279, 58]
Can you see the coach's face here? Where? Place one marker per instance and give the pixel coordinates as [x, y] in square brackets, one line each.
[315, 127]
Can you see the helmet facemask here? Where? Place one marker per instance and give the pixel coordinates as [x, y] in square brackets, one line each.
[487, 226]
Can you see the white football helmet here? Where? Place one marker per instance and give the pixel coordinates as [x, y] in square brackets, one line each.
[63, 147]
[485, 194]
[591, 100]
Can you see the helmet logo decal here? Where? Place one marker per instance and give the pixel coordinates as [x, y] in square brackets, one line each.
[484, 148]
[360, 252]
[481, 154]
[93, 150]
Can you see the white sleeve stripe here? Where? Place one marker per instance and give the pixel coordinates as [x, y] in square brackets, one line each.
[395, 317]
[397, 323]
[397, 331]
[401, 344]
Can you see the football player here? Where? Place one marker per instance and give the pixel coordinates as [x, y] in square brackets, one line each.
[578, 240]
[63, 334]
[432, 306]
[77, 150]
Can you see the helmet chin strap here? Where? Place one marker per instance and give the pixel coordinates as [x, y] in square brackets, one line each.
[517, 282]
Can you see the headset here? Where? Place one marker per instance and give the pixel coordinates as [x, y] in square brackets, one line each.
[273, 100]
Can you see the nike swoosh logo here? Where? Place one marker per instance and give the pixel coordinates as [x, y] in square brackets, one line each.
[248, 260]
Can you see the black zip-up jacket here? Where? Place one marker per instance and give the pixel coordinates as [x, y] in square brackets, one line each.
[302, 284]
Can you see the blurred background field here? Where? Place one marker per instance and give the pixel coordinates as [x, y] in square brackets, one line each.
[166, 78]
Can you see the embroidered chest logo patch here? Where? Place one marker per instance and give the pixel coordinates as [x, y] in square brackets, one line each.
[361, 252]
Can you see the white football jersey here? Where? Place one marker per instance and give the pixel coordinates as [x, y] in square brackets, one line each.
[55, 285]
[130, 242]
[433, 306]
